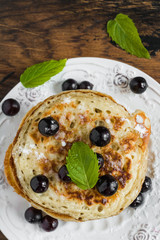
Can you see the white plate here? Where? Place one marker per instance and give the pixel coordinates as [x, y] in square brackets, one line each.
[110, 77]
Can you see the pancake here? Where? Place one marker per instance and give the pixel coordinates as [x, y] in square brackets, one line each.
[78, 112]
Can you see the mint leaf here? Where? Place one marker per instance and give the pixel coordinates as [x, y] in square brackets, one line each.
[82, 165]
[123, 31]
[40, 73]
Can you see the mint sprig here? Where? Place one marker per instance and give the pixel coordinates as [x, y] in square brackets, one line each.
[123, 31]
[82, 165]
[40, 73]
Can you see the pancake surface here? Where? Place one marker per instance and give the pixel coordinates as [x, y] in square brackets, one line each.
[77, 113]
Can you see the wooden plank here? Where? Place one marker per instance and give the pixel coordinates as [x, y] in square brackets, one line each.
[42, 30]
[2, 237]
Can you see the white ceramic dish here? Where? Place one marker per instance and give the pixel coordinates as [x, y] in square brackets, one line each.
[110, 77]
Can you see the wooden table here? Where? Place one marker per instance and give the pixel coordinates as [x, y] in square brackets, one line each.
[39, 30]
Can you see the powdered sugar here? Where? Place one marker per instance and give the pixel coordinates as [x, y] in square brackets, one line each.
[67, 100]
[63, 143]
[81, 116]
[107, 120]
[39, 155]
[141, 129]
[139, 119]
[26, 149]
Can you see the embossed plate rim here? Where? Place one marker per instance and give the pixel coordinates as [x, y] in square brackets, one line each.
[101, 62]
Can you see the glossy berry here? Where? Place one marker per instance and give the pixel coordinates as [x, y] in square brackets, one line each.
[48, 223]
[100, 160]
[10, 107]
[138, 201]
[62, 173]
[48, 126]
[33, 215]
[39, 183]
[100, 136]
[138, 85]
[107, 185]
[69, 84]
[146, 185]
[86, 85]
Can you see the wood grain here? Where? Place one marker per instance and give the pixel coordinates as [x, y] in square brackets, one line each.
[39, 30]
[2, 237]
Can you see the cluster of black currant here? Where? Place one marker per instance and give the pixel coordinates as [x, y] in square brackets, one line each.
[47, 223]
[147, 185]
[71, 84]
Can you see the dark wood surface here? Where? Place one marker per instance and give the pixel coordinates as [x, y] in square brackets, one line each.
[39, 30]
